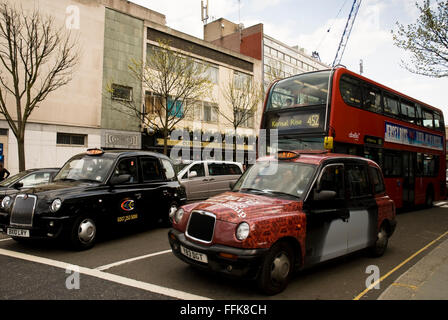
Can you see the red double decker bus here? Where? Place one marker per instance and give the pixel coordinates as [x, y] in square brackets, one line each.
[345, 112]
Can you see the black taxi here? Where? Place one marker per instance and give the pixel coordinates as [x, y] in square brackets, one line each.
[93, 189]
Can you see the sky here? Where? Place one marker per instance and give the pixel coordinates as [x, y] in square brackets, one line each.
[318, 26]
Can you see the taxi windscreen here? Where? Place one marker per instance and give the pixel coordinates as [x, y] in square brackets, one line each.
[277, 178]
[85, 168]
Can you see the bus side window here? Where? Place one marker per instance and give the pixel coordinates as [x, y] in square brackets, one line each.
[408, 111]
[428, 119]
[372, 98]
[418, 115]
[438, 121]
[419, 167]
[391, 105]
[392, 164]
[350, 91]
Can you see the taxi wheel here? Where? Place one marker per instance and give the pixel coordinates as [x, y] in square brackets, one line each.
[276, 269]
[83, 233]
[380, 246]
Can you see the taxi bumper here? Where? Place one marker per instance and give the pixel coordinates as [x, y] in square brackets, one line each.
[234, 262]
[43, 227]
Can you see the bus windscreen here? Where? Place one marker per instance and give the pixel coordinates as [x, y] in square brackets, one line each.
[308, 89]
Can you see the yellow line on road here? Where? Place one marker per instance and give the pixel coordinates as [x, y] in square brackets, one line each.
[398, 267]
[397, 284]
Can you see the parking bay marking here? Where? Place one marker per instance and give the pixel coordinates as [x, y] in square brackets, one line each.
[115, 264]
[399, 266]
[106, 276]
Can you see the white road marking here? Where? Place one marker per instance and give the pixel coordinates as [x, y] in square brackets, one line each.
[5, 239]
[111, 265]
[106, 276]
[440, 204]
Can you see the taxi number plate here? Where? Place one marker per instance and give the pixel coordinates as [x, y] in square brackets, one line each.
[18, 232]
[194, 255]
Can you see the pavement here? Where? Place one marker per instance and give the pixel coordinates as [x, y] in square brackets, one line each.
[426, 280]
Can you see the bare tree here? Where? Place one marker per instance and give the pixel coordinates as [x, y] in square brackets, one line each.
[176, 81]
[244, 97]
[36, 58]
[426, 40]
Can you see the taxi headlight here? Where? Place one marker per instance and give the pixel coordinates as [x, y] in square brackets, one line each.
[242, 231]
[6, 202]
[178, 215]
[55, 205]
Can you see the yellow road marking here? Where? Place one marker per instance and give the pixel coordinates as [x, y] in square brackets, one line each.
[397, 284]
[359, 296]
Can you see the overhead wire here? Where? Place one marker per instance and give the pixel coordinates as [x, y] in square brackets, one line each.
[331, 26]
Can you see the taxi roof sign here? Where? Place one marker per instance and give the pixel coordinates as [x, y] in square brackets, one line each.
[287, 155]
[95, 151]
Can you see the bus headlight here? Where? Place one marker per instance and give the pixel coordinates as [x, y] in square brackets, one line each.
[6, 202]
[242, 231]
[178, 215]
[55, 205]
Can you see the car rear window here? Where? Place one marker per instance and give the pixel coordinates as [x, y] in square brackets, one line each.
[377, 180]
[150, 169]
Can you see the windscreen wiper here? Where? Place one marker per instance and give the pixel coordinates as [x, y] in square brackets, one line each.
[280, 193]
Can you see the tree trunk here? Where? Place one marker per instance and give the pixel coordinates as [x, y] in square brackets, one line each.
[165, 142]
[21, 152]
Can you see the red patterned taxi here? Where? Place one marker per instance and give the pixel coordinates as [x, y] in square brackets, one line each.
[287, 213]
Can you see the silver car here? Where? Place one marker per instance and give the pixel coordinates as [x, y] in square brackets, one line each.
[204, 179]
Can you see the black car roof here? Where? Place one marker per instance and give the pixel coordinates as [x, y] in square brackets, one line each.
[129, 153]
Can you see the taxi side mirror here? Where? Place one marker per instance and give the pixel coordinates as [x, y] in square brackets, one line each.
[192, 174]
[324, 195]
[122, 178]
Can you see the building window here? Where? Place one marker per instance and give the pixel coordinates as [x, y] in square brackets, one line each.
[120, 92]
[175, 108]
[240, 80]
[210, 112]
[69, 139]
[245, 118]
[153, 103]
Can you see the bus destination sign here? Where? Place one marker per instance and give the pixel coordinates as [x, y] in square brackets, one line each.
[295, 121]
[403, 135]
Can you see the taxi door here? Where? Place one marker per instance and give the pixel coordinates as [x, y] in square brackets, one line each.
[154, 190]
[362, 207]
[125, 203]
[327, 219]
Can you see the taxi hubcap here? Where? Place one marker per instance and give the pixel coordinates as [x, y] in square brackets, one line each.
[280, 267]
[86, 231]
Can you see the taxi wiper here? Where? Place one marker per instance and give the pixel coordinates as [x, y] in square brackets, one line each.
[88, 180]
[280, 193]
[64, 179]
[252, 189]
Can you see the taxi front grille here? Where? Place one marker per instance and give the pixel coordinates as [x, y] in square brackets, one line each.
[23, 210]
[201, 226]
